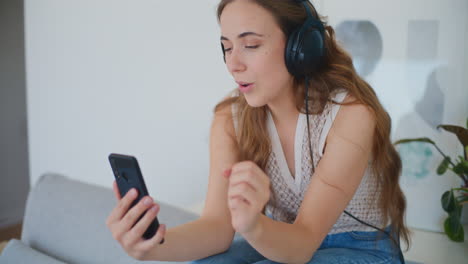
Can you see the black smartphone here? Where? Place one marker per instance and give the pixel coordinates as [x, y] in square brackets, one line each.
[128, 175]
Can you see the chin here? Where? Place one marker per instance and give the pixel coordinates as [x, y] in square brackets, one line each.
[255, 102]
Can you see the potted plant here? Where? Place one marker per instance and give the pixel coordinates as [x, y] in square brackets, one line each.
[453, 199]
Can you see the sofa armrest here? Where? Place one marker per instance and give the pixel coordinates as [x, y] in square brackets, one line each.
[65, 219]
[16, 252]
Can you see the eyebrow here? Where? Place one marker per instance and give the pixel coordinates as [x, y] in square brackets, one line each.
[245, 34]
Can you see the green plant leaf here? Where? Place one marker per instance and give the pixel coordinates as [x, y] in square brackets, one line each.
[408, 140]
[461, 132]
[448, 201]
[463, 164]
[454, 229]
[460, 168]
[462, 196]
[443, 166]
[463, 199]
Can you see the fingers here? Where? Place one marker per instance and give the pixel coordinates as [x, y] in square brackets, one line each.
[147, 245]
[122, 207]
[248, 185]
[227, 173]
[247, 178]
[142, 225]
[250, 176]
[250, 173]
[238, 203]
[116, 190]
[243, 192]
[129, 224]
[246, 166]
[135, 212]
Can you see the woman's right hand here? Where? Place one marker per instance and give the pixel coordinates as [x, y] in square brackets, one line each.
[123, 224]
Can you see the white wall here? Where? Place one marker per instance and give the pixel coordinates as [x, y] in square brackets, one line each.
[465, 67]
[142, 78]
[133, 77]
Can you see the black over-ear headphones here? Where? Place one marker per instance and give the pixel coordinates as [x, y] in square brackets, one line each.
[305, 45]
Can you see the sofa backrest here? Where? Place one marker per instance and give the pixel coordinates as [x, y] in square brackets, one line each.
[65, 219]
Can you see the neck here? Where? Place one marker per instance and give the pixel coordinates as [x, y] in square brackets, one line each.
[283, 109]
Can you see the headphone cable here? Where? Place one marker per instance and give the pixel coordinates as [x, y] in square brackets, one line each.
[397, 244]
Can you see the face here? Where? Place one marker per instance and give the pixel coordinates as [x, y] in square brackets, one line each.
[254, 48]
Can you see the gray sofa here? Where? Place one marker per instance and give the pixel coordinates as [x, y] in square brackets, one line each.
[64, 222]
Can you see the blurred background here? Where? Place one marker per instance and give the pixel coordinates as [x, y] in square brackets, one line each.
[82, 79]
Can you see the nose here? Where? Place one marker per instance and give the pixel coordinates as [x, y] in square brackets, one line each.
[234, 62]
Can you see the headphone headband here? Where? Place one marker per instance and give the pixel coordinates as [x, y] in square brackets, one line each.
[306, 45]
[314, 20]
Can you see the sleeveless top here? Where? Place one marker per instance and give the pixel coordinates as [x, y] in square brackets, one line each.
[289, 192]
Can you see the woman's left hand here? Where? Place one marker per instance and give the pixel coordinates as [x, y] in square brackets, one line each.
[249, 191]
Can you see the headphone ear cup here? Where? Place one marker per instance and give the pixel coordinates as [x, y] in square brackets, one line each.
[291, 51]
[304, 51]
[311, 50]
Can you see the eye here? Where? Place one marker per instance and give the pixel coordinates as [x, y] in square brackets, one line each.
[247, 47]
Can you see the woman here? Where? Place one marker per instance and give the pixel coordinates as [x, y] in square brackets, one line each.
[303, 179]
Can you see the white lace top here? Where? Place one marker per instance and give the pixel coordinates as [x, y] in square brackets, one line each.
[289, 191]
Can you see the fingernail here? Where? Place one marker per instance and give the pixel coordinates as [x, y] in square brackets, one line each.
[148, 201]
[133, 192]
[154, 208]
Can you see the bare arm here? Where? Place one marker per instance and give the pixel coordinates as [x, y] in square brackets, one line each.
[333, 185]
[212, 233]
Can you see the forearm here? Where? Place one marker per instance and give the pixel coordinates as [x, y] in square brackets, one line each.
[282, 242]
[194, 240]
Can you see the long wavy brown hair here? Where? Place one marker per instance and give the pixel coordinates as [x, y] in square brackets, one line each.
[335, 72]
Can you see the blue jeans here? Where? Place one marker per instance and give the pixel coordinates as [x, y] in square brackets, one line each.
[350, 247]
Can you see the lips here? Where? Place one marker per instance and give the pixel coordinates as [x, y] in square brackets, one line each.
[245, 87]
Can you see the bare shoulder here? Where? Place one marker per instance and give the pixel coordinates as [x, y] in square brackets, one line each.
[223, 124]
[355, 121]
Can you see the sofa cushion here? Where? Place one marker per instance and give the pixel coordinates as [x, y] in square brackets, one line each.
[65, 218]
[16, 252]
